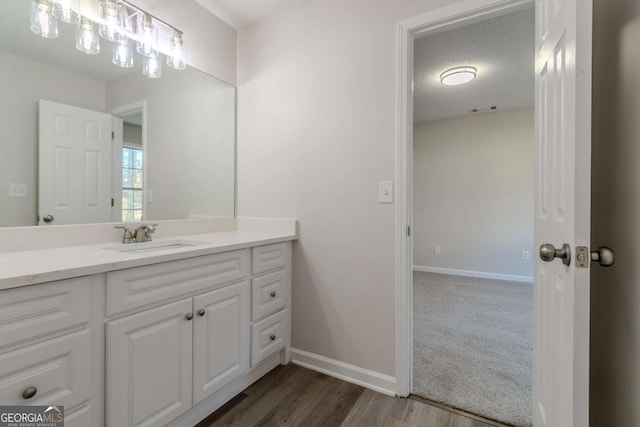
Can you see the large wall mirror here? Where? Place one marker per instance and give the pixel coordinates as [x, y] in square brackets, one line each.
[85, 141]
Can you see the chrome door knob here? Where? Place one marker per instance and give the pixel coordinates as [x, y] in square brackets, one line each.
[548, 253]
[47, 218]
[603, 256]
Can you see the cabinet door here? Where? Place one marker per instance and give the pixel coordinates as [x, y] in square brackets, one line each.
[149, 366]
[221, 338]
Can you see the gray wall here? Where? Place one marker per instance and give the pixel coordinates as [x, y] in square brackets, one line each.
[615, 292]
[473, 192]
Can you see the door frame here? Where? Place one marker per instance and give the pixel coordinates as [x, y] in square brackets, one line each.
[458, 14]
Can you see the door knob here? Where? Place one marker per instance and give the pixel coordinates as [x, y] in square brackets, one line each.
[548, 253]
[47, 218]
[603, 256]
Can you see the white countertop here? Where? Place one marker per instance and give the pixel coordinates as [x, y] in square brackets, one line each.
[31, 267]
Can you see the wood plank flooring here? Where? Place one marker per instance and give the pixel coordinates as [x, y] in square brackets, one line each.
[294, 396]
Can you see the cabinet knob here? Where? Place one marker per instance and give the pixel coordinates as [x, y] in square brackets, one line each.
[273, 337]
[201, 312]
[273, 294]
[189, 316]
[29, 392]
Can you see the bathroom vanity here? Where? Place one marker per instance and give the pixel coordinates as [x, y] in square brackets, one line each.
[150, 334]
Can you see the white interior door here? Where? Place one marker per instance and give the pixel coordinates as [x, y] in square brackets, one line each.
[563, 167]
[74, 165]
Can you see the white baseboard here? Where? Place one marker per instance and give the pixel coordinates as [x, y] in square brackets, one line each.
[478, 274]
[376, 381]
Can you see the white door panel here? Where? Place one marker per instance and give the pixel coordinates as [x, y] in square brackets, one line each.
[74, 173]
[563, 121]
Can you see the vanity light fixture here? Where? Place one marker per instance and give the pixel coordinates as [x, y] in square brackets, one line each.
[43, 22]
[176, 58]
[152, 67]
[148, 36]
[458, 75]
[87, 40]
[66, 11]
[108, 13]
[123, 53]
[119, 22]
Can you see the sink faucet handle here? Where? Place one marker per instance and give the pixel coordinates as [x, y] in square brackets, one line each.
[127, 237]
[143, 233]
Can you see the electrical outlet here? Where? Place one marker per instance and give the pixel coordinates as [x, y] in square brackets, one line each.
[437, 249]
[526, 256]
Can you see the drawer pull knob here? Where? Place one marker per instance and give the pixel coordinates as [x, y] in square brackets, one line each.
[273, 294]
[273, 337]
[201, 312]
[189, 316]
[29, 393]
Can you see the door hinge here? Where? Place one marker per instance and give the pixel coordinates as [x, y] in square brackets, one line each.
[408, 231]
[112, 201]
[113, 136]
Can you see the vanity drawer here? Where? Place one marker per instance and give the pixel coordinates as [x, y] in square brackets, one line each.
[268, 336]
[269, 294]
[269, 258]
[39, 311]
[59, 370]
[144, 286]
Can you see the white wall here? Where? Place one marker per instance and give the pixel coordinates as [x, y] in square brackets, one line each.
[316, 132]
[473, 192]
[190, 153]
[23, 82]
[211, 43]
[615, 291]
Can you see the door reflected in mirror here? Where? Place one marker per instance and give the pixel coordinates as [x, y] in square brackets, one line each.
[172, 155]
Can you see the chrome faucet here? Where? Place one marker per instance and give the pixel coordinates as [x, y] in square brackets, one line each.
[143, 233]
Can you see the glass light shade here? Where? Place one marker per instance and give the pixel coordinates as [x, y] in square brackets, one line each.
[148, 36]
[123, 53]
[87, 40]
[110, 13]
[458, 76]
[42, 21]
[176, 58]
[152, 67]
[66, 11]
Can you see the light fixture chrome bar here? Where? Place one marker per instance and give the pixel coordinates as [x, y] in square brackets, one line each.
[155, 18]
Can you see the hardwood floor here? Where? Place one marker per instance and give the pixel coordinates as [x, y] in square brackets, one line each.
[294, 396]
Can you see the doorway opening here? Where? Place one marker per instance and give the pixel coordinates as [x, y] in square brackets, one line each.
[466, 195]
[129, 160]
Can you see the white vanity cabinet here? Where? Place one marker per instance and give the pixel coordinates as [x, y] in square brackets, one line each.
[46, 348]
[161, 343]
[198, 336]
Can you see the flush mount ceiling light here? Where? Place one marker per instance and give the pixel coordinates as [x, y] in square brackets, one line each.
[458, 76]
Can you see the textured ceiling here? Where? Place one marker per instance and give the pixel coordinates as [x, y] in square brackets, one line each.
[501, 48]
[242, 13]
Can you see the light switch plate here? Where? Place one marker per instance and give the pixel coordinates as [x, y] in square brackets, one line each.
[17, 190]
[385, 192]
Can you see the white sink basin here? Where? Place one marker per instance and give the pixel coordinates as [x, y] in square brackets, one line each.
[153, 246]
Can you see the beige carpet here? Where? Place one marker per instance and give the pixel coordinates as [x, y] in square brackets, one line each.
[473, 345]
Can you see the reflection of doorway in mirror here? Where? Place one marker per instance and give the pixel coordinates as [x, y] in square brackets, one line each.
[130, 164]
